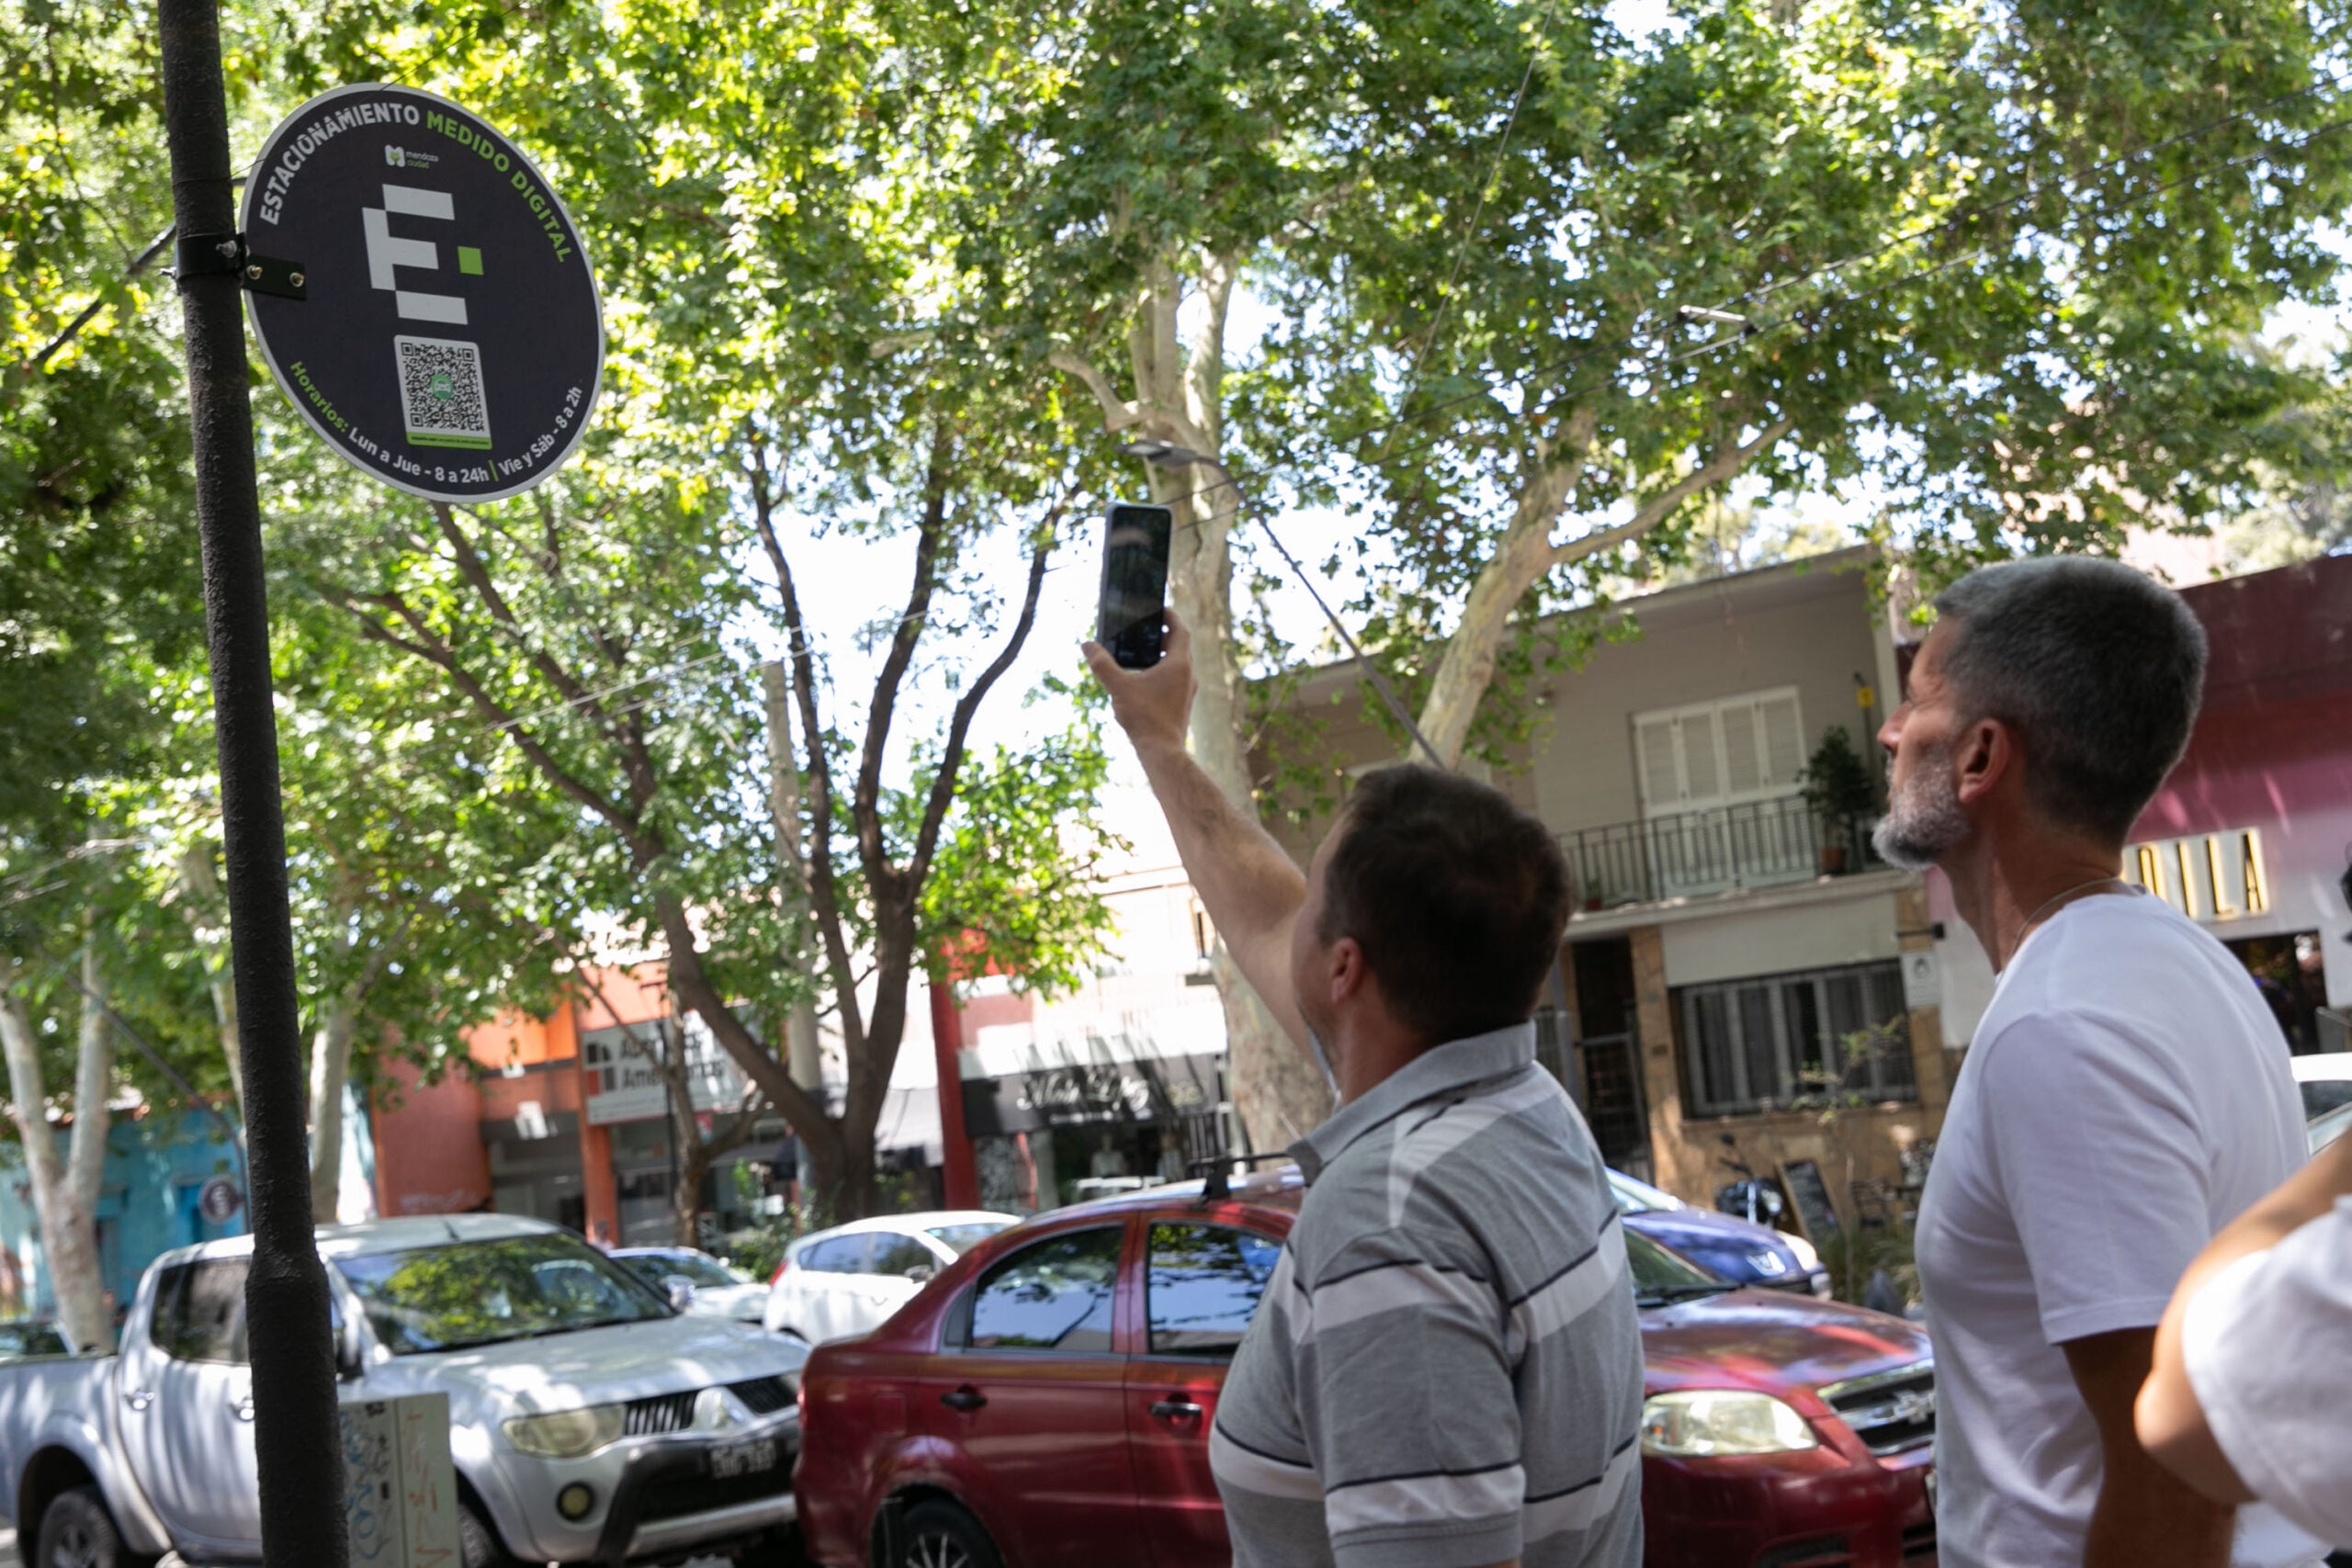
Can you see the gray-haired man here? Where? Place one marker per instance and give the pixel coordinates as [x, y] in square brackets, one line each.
[2126, 1093]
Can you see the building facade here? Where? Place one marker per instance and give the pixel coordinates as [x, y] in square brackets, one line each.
[564, 1118]
[1733, 986]
[1745, 984]
[151, 1198]
[1118, 1085]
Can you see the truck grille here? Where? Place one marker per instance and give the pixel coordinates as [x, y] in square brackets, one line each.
[662, 1414]
[1890, 1412]
[666, 1413]
[763, 1396]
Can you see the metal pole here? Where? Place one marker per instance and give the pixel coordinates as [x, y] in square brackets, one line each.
[295, 1439]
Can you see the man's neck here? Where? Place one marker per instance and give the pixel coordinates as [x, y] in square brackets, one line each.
[1370, 1057]
[2005, 884]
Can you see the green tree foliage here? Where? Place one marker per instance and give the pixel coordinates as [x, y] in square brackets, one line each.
[2010, 263]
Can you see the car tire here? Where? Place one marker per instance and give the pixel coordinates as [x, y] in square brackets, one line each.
[478, 1543]
[78, 1532]
[941, 1535]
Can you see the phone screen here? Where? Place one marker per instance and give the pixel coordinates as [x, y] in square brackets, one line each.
[1135, 582]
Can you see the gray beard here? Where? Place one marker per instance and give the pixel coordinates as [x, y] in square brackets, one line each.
[1924, 821]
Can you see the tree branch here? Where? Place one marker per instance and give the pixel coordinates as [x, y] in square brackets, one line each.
[637, 761]
[865, 809]
[1117, 412]
[1723, 464]
[951, 758]
[824, 890]
[644, 847]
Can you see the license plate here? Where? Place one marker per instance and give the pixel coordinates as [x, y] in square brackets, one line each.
[742, 1459]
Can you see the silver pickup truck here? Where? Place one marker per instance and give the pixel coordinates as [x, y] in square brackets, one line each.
[590, 1421]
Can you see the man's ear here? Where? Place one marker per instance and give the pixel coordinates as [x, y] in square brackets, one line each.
[1350, 974]
[1986, 755]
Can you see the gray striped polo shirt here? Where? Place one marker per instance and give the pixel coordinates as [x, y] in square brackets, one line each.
[1446, 1370]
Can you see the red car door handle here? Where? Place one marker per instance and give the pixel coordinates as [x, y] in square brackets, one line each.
[1176, 1409]
[966, 1398]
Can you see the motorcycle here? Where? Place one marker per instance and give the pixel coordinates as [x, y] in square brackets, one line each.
[1751, 1198]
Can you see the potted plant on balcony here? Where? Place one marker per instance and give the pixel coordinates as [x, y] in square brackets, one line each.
[1840, 789]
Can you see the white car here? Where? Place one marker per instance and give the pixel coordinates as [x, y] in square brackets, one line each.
[589, 1422]
[715, 1289]
[848, 1281]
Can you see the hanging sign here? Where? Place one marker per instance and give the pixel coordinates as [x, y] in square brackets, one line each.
[452, 342]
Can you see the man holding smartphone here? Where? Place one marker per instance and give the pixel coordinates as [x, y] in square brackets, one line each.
[2126, 1095]
[1446, 1369]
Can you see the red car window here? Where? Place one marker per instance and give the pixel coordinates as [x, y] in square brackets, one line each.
[1201, 1287]
[1054, 1294]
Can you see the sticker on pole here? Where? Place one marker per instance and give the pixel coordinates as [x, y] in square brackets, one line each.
[452, 343]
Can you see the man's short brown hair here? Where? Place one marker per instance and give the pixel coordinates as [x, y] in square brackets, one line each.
[1457, 897]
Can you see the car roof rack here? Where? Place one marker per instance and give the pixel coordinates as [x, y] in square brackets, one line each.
[1217, 1182]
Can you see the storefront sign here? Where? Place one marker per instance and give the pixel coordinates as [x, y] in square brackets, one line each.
[2207, 876]
[1088, 1092]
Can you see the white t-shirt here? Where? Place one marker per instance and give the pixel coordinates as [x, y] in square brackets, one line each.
[2268, 1343]
[2125, 1097]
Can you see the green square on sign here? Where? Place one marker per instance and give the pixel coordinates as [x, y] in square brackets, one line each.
[469, 261]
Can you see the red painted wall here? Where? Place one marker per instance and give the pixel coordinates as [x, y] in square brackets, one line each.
[429, 1155]
[2274, 740]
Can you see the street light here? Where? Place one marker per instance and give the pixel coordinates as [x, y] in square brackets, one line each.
[1167, 455]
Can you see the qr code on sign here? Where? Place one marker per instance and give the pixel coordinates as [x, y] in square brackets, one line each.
[441, 395]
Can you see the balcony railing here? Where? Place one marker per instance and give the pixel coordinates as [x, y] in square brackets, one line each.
[1763, 843]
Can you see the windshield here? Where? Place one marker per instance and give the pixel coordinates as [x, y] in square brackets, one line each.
[1639, 1197]
[961, 1239]
[1660, 1276]
[655, 1268]
[479, 1293]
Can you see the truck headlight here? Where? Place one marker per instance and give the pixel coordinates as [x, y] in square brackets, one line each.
[1707, 1421]
[1808, 1255]
[566, 1434]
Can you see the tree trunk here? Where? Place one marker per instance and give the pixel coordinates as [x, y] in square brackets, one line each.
[1527, 555]
[65, 1189]
[329, 1075]
[207, 918]
[801, 1051]
[692, 1158]
[1279, 1094]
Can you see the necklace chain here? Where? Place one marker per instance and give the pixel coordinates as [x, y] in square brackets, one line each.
[2035, 919]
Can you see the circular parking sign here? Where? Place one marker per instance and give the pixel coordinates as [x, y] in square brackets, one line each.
[452, 343]
[219, 1201]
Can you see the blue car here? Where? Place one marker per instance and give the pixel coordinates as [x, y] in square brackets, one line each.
[1744, 1254]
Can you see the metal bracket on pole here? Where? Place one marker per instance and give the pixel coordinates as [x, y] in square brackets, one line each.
[226, 256]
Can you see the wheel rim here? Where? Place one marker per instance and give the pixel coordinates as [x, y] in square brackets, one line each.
[933, 1550]
[73, 1548]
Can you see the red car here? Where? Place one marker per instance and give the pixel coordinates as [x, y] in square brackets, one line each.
[1045, 1404]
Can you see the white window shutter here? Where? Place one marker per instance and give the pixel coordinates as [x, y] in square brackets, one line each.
[1783, 739]
[1702, 767]
[1661, 781]
[1743, 757]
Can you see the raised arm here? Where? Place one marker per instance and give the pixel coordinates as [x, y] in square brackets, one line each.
[1249, 887]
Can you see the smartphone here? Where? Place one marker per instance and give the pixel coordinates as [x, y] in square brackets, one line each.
[1135, 582]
